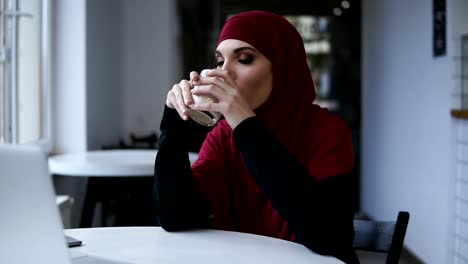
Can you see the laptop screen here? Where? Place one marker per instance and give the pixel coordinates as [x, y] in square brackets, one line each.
[30, 226]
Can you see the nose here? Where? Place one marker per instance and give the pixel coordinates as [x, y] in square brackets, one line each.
[228, 66]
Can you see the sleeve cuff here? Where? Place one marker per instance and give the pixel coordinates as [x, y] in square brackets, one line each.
[171, 121]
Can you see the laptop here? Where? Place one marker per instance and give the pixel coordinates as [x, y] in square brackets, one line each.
[31, 229]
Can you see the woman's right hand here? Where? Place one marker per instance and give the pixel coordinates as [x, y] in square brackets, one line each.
[180, 96]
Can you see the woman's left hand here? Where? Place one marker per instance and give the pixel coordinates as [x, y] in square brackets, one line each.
[231, 104]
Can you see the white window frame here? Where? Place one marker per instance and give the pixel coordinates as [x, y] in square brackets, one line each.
[11, 126]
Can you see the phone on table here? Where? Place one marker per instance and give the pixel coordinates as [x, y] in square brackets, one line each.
[72, 242]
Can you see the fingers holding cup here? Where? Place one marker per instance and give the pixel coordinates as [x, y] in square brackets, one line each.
[200, 99]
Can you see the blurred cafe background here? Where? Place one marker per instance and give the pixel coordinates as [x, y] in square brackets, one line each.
[89, 75]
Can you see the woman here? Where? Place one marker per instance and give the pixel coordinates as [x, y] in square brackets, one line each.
[277, 165]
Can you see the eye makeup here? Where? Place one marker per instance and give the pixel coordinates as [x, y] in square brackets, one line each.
[242, 55]
[245, 58]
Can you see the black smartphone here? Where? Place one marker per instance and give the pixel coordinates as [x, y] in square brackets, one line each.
[72, 242]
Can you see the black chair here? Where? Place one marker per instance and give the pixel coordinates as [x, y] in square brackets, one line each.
[382, 236]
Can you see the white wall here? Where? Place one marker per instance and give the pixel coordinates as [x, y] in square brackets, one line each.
[460, 27]
[459, 228]
[408, 149]
[103, 72]
[151, 62]
[114, 62]
[69, 75]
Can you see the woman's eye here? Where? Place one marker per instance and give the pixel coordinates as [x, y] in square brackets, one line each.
[247, 60]
[219, 63]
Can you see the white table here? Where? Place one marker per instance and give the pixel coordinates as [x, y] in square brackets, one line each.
[154, 245]
[110, 173]
[107, 163]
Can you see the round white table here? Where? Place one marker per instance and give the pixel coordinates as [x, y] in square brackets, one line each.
[154, 245]
[113, 175]
[107, 163]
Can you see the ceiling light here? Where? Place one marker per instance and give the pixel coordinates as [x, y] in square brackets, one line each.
[345, 4]
[337, 11]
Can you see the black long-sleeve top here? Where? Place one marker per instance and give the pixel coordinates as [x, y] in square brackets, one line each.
[319, 213]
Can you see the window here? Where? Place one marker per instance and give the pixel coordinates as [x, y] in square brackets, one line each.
[316, 36]
[24, 71]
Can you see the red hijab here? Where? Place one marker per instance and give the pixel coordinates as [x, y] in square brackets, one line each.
[319, 141]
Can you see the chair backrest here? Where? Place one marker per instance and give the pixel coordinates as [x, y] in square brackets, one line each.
[382, 236]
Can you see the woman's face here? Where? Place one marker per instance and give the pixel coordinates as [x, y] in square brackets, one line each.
[249, 69]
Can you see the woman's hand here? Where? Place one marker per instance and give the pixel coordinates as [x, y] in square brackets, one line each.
[180, 96]
[231, 104]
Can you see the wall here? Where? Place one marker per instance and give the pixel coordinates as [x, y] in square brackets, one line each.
[459, 239]
[69, 75]
[150, 63]
[459, 236]
[114, 62]
[103, 72]
[407, 132]
[460, 27]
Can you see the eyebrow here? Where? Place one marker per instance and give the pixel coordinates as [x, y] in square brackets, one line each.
[238, 50]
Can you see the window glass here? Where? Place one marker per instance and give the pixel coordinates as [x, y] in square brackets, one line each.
[24, 82]
[29, 70]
